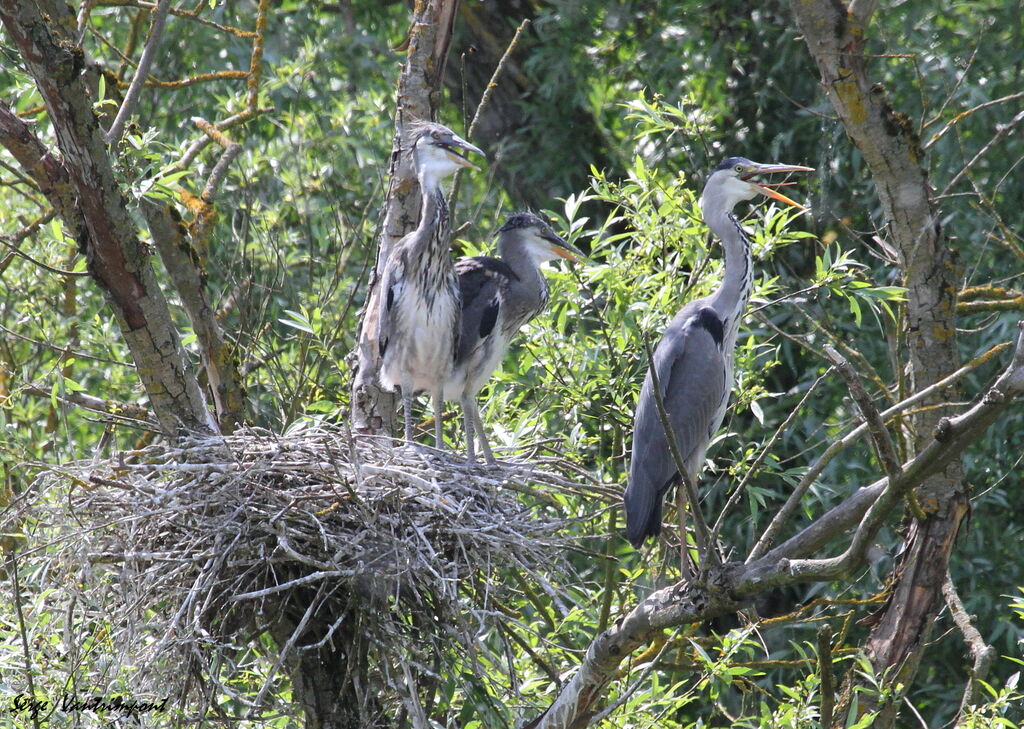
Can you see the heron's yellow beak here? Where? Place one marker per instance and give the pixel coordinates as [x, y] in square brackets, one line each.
[766, 188]
[563, 249]
[776, 195]
[454, 145]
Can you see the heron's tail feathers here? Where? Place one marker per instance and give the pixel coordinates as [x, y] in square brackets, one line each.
[643, 514]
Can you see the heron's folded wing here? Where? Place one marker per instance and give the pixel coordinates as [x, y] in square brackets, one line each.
[393, 281]
[692, 377]
[480, 283]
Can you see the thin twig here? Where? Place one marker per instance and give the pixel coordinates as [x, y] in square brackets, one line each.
[1002, 130]
[828, 695]
[765, 450]
[18, 599]
[485, 100]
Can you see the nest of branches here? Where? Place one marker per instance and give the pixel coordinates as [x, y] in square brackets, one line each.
[311, 537]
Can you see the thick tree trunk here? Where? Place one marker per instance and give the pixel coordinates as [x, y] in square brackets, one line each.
[887, 139]
[116, 258]
[374, 410]
[330, 681]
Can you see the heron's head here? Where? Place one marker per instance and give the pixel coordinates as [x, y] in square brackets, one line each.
[438, 151]
[732, 182]
[535, 238]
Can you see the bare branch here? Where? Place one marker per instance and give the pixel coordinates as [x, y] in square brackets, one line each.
[765, 450]
[131, 98]
[982, 653]
[44, 167]
[1002, 130]
[881, 438]
[961, 116]
[185, 269]
[828, 696]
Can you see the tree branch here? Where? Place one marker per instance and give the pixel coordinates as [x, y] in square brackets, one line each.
[982, 653]
[131, 98]
[116, 258]
[726, 587]
[881, 438]
[789, 508]
[218, 355]
[45, 169]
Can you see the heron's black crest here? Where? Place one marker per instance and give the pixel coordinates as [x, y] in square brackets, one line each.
[707, 319]
[518, 221]
[732, 162]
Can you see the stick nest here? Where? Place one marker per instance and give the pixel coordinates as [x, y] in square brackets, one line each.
[308, 536]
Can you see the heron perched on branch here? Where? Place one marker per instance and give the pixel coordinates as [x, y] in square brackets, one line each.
[499, 295]
[688, 383]
[419, 319]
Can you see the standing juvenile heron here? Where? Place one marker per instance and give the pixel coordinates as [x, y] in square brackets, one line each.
[499, 295]
[418, 323]
[693, 361]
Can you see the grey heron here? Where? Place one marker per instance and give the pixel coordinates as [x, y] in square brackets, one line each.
[419, 316]
[499, 295]
[693, 362]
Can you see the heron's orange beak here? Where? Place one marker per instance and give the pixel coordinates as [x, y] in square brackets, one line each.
[566, 250]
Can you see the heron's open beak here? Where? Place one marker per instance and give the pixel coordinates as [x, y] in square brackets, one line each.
[564, 249]
[456, 143]
[766, 188]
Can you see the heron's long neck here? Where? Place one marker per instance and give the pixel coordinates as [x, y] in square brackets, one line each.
[730, 300]
[530, 292]
[432, 256]
[434, 214]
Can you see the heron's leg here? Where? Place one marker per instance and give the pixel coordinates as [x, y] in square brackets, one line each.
[484, 445]
[467, 425]
[701, 536]
[407, 411]
[684, 547]
[438, 420]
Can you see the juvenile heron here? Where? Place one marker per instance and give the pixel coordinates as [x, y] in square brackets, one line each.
[499, 295]
[419, 319]
[693, 361]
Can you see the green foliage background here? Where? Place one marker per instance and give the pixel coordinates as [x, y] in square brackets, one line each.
[661, 91]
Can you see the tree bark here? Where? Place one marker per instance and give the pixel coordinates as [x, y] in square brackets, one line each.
[116, 258]
[329, 681]
[187, 271]
[835, 37]
[374, 410]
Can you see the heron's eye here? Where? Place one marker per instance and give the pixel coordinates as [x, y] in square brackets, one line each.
[739, 168]
[436, 135]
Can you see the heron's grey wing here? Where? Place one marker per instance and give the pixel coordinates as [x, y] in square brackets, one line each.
[480, 283]
[692, 377]
[393, 282]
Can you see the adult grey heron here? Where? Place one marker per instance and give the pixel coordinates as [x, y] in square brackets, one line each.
[693, 362]
[499, 295]
[419, 316]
